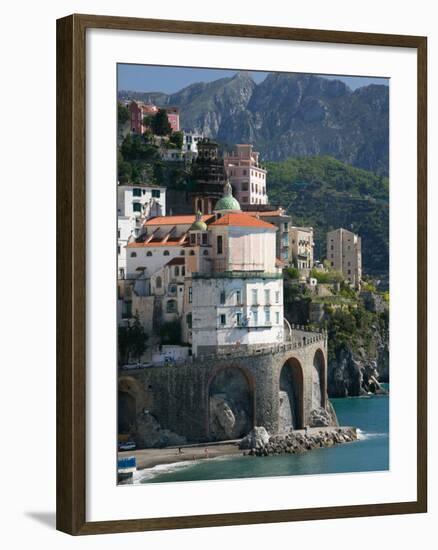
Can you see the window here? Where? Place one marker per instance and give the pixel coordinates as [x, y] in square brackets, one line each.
[189, 320]
[149, 253]
[176, 271]
[192, 252]
[118, 249]
[267, 315]
[255, 317]
[183, 271]
[166, 253]
[182, 253]
[277, 296]
[192, 238]
[244, 172]
[244, 199]
[239, 319]
[238, 297]
[205, 252]
[349, 272]
[133, 254]
[267, 296]
[223, 319]
[158, 282]
[222, 299]
[171, 306]
[136, 192]
[156, 193]
[255, 298]
[331, 247]
[220, 244]
[277, 317]
[245, 186]
[190, 294]
[204, 238]
[285, 226]
[136, 207]
[118, 233]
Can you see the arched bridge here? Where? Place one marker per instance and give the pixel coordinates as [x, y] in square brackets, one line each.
[222, 397]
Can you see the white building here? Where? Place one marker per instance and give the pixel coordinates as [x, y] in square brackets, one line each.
[345, 254]
[246, 176]
[236, 288]
[190, 142]
[141, 200]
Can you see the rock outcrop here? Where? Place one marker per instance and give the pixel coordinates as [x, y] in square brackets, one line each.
[150, 434]
[299, 442]
[227, 419]
[258, 437]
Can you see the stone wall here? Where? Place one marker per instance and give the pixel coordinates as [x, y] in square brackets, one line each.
[178, 396]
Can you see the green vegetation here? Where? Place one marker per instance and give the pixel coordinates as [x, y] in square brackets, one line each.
[326, 276]
[131, 341]
[325, 193]
[160, 124]
[122, 113]
[170, 333]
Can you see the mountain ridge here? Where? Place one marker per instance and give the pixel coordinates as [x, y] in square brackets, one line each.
[287, 115]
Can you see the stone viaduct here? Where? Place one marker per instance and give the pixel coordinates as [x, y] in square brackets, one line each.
[274, 385]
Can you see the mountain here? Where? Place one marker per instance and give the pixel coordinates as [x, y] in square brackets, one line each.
[325, 193]
[288, 115]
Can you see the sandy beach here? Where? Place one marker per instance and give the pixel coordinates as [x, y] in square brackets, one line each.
[148, 458]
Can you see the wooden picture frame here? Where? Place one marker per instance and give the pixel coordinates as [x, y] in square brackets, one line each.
[71, 273]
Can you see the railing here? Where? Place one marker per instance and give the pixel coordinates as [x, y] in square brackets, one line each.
[237, 275]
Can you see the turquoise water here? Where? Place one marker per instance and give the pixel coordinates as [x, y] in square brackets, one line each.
[370, 453]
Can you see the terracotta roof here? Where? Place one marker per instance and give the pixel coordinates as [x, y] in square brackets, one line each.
[242, 220]
[154, 243]
[176, 220]
[177, 261]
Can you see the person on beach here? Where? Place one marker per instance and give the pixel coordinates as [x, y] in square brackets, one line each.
[206, 452]
[180, 451]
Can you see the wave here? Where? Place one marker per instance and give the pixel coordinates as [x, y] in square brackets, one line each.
[361, 435]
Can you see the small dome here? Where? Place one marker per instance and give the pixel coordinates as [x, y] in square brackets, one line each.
[198, 224]
[227, 202]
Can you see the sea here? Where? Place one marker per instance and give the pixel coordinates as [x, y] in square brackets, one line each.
[370, 414]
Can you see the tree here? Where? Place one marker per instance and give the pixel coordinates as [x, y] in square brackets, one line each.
[131, 341]
[177, 140]
[122, 113]
[170, 332]
[160, 124]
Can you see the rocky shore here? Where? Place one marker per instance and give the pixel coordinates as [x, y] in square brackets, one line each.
[259, 443]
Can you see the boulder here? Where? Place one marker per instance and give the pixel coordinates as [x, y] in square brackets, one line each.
[150, 433]
[319, 418]
[257, 437]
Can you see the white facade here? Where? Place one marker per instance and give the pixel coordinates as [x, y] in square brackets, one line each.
[246, 176]
[144, 201]
[190, 142]
[229, 312]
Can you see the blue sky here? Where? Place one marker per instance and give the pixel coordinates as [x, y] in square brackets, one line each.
[149, 78]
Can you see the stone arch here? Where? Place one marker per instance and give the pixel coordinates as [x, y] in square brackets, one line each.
[319, 378]
[291, 395]
[230, 403]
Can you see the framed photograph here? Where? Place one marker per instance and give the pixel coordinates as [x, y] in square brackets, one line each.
[241, 288]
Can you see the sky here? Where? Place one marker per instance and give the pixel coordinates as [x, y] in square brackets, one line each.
[150, 78]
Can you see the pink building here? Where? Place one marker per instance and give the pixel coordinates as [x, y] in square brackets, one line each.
[139, 110]
[246, 176]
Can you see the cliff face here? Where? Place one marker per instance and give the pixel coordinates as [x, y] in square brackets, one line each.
[288, 115]
[353, 372]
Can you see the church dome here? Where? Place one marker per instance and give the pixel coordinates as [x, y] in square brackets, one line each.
[227, 202]
[198, 224]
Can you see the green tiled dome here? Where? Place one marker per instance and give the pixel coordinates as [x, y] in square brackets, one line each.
[227, 202]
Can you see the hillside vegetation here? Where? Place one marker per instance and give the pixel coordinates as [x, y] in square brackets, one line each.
[326, 193]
